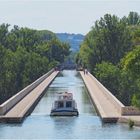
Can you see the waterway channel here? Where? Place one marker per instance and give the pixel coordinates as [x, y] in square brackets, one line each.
[39, 125]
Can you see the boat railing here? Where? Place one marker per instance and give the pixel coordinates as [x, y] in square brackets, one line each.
[65, 96]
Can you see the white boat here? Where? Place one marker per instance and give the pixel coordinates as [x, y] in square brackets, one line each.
[64, 106]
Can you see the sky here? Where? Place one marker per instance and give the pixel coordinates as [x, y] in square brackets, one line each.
[60, 16]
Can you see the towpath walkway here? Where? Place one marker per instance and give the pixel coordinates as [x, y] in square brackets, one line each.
[18, 112]
[104, 106]
[107, 105]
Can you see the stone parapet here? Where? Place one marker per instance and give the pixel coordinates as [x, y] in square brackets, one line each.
[130, 110]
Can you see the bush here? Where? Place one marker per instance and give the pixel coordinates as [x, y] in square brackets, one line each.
[108, 75]
[131, 123]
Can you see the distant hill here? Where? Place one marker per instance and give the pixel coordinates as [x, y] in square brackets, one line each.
[73, 39]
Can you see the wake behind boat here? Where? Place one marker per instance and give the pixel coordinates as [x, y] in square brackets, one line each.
[64, 106]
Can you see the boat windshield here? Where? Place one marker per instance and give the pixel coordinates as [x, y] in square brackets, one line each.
[69, 104]
[60, 104]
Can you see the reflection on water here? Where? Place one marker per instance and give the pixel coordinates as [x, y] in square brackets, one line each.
[39, 125]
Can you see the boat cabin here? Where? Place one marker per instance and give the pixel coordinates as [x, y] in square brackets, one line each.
[64, 106]
[65, 100]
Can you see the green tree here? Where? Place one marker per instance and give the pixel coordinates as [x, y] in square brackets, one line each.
[133, 18]
[109, 75]
[110, 50]
[25, 55]
[3, 34]
[109, 40]
[131, 64]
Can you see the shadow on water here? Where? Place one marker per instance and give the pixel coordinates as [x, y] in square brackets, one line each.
[39, 125]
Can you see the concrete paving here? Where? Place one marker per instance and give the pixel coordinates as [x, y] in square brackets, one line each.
[105, 108]
[21, 109]
[103, 104]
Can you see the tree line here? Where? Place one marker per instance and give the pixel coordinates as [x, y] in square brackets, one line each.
[111, 51]
[25, 55]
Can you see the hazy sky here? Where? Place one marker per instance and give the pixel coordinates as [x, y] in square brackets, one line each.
[73, 16]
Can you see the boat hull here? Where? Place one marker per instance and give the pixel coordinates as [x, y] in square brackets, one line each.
[64, 113]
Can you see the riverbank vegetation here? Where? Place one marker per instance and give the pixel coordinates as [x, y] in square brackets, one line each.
[25, 55]
[111, 51]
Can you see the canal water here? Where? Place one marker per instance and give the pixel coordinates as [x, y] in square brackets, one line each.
[39, 125]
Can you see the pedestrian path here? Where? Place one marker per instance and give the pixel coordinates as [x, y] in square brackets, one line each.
[104, 106]
[24, 107]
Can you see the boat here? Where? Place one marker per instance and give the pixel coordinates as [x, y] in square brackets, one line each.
[64, 106]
